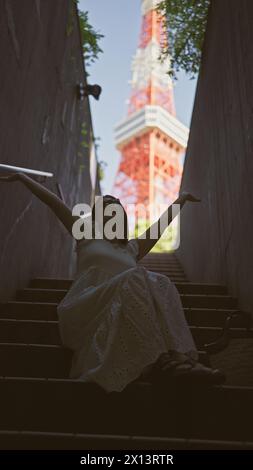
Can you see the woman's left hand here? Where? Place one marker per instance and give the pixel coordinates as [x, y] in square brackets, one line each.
[189, 197]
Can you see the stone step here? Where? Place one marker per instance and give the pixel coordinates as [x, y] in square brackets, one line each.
[47, 283]
[183, 287]
[47, 332]
[29, 310]
[41, 295]
[52, 411]
[213, 317]
[152, 255]
[50, 283]
[42, 311]
[163, 263]
[163, 267]
[33, 360]
[41, 360]
[203, 335]
[25, 440]
[171, 266]
[208, 301]
[171, 273]
[29, 332]
[220, 413]
[188, 300]
[160, 259]
[197, 288]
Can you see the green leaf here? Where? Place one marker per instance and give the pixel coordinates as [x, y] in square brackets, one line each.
[185, 24]
[89, 38]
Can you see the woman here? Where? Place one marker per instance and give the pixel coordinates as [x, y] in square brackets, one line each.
[121, 321]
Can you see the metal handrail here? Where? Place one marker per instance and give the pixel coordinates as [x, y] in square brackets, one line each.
[18, 169]
[224, 338]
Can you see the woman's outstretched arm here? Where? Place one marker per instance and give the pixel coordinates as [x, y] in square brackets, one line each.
[149, 238]
[62, 212]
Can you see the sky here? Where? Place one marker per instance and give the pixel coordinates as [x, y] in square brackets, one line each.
[119, 21]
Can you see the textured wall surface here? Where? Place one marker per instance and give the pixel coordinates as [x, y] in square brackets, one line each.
[216, 236]
[43, 126]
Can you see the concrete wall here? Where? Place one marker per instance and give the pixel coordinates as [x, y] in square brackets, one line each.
[41, 120]
[216, 237]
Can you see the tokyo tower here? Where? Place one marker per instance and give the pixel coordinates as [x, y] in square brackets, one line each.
[151, 139]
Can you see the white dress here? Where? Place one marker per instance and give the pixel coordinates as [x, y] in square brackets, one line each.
[118, 317]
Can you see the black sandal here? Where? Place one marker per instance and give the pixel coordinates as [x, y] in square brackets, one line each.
[180, 368]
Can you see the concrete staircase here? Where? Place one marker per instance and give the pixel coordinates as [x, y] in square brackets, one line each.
[41, 408]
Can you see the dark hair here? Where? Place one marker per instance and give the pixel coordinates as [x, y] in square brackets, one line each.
[113, 200]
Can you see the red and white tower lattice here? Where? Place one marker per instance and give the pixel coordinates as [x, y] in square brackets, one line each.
[150, 139]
